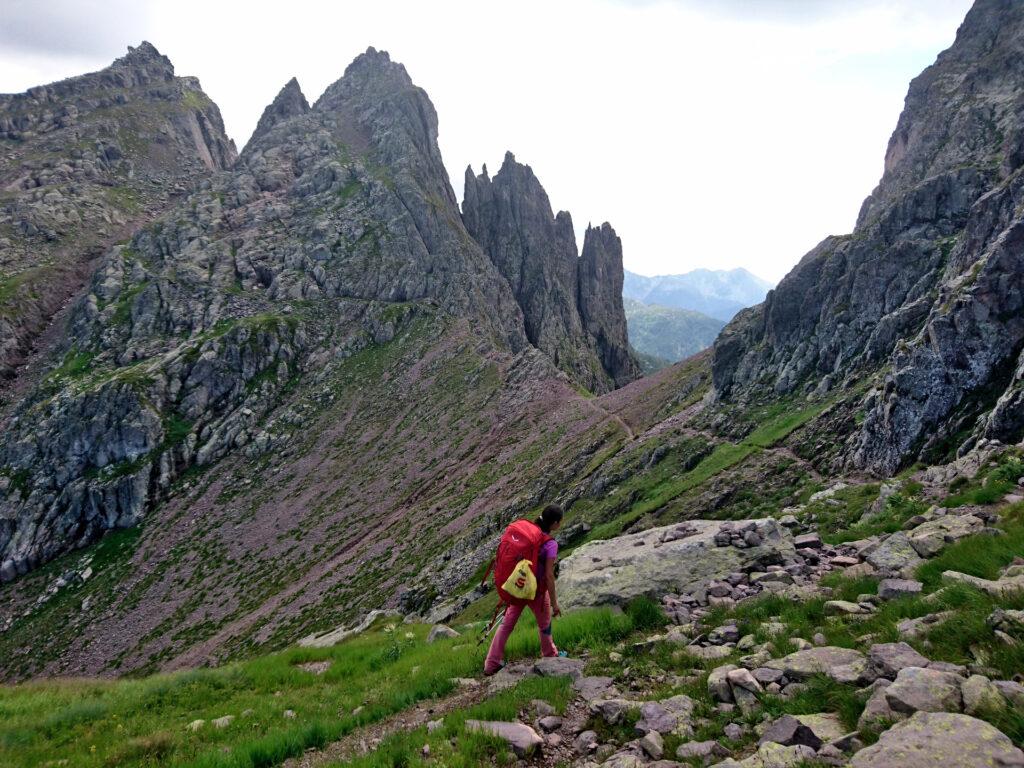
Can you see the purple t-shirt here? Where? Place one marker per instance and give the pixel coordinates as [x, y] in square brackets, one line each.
[548, 551]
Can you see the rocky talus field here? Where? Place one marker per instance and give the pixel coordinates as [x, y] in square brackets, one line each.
[265, 415]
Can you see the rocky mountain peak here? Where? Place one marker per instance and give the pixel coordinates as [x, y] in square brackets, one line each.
[289, 102]
[923, 299]
[600, 301]
[962, 111]
[535, 250]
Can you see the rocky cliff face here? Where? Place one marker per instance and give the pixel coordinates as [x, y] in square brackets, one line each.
[600, 301]
[925, 294]
[335, 226]
[83, 163]
[571, 306]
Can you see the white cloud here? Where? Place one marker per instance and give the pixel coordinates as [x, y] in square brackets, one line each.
[732, 133]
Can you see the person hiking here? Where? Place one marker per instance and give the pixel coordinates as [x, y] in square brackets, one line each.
[544, 604]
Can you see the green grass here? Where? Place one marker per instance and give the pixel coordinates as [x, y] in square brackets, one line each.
[989, 486]
[725, 455]
[455, 747]
[981, 556]
[132, 722]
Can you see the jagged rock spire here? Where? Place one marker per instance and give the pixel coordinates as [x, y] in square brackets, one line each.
[535, 250]
[289, 102]
[600, 302]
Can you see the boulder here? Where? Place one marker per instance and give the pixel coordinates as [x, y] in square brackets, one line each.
[612, 711]
[521, 737]
[667, 716]
[826, 725]
[787, 730]
[585, 742]
[559, 666]
[998, 588]
[703, 750]
[924, 690]
[891, 589]
[887, 659]
[877, 710]
[617, 570]
[439, 631]
[843, 665]
[718, 683]
[772, 755]
[931, 739]
[895, 554]
[592, 687]
[845, 608]
[1012, 691]
[653, 745]
[980, 695]
[928, 539]
[1009, 621]
[550, 723]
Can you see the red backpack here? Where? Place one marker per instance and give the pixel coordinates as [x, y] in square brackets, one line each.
[522, 540]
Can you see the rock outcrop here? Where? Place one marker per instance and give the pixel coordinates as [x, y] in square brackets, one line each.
[600, 300]
[673, 559]
[83, 163]
[572, 304]
[926, 293]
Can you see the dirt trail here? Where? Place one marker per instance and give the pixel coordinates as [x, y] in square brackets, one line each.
[364, 740]
[630, 435]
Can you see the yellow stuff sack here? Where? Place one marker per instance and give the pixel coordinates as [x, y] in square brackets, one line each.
[521, 583]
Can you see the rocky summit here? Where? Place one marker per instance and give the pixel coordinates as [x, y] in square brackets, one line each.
[83, 163]
[922, 299]
[276, 410]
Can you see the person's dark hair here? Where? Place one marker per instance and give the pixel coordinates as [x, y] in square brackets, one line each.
[550, 516]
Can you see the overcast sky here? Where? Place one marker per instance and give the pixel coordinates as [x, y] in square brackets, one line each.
[710, 133]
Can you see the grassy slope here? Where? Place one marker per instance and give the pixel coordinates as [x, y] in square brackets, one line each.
[142, 721]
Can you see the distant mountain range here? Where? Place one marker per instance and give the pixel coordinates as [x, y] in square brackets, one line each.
[663, 335]
[719, 293]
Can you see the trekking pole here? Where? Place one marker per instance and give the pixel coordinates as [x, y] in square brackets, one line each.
[499, 613]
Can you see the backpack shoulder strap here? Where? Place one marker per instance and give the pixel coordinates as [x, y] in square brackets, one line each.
[487, 572]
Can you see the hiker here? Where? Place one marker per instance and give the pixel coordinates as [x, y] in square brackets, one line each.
[545, 603]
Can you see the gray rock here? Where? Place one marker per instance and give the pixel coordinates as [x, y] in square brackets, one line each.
[612, 711]
[787, 730]
[1012, 691]
[615, 571]
[559, 666]
[981, 696]
[585, 742]
[653, 745]
[844, 665]
[439, 631]
[929, 739]
[590, 687]
[891, 589]
[895, 554]
[550, 723]
[887, 659]
[705, 751]
[928, 539]
[521, 737]
[671, 715]
[924, 690]
[718, 683]
[877, 710]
